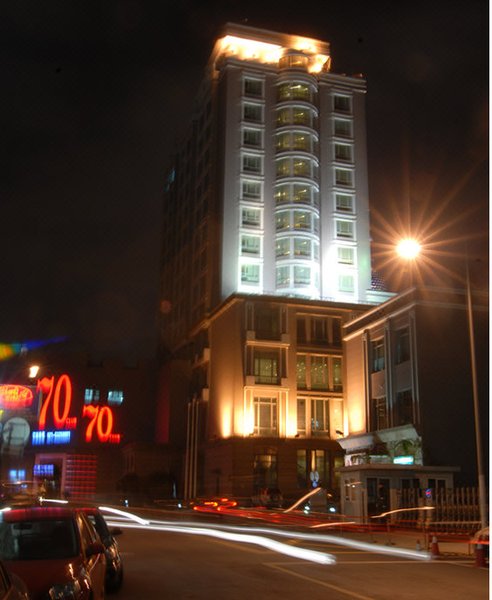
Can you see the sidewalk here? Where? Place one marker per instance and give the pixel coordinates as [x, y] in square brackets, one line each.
[445, 546]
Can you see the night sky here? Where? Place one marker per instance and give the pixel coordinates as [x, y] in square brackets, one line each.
[95, 93]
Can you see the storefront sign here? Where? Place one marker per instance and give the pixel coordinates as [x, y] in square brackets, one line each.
[14, 397]
[56, 407]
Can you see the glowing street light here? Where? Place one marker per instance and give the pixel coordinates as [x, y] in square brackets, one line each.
[33, 371]
[408, 248]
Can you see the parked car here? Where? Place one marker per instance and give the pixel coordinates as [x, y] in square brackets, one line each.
[114, 564]
[11, 585]
[55, 550]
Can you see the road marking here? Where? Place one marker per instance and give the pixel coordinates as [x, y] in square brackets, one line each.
[319, 582]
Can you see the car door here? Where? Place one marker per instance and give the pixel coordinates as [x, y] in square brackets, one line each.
[95, 564]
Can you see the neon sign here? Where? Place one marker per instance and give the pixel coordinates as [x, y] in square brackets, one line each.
[58, 403]
[47, 438]
[15, 396]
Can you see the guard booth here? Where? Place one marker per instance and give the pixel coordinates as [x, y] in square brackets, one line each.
[369, 490]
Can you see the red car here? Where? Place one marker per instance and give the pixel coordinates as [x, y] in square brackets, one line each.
[56, 551]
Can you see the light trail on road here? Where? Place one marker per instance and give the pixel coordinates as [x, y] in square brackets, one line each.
[322, 558]
[227, 530]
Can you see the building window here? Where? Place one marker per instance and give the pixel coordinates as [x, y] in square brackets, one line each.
[282, 247]
[336, 374]
[91, 396]
[302, 470]
[266, 321]
[250, 273]
[250, 217]
[404, 408]
[343, 152]
[341, 103]
[250, 244]
[282, 220]
[253, 87]
[288, 140]
[301, 415]
[296, 167]
[302, 220]
[301, 329]
[266, 366]
[402, 346]
[346, 283]
[302, 275]
[251, 190]
[297, 193]
[379, 414]
[319, 329]
[252, 137]
[320, 410]
[264, 471]
[294, 61]
[302, 248]
[265, 410]
[344, 229]
[295, 115]
[294, 91]
[283, 276]
[344, 203]
[115, 397]
[251, 163]
[301, 372]
[252, 113]
[342, 128]
[319, 373]
[345, 255]
[344, 177]
[377, 351]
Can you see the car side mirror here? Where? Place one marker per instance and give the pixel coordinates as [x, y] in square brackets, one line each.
[95, 548]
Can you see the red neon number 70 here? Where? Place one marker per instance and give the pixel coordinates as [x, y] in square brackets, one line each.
[101, 419]
[47, 386]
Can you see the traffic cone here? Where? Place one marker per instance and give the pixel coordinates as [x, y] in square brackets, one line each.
[479, 554]
[434, 547]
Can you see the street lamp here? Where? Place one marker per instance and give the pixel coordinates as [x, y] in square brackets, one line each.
[409, 249]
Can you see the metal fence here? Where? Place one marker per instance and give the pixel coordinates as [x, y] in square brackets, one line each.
[445, 510]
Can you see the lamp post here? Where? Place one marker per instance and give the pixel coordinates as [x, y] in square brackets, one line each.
[476, 405]
[409, 249]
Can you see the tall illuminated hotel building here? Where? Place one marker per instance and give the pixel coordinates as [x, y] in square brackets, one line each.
[266, 253]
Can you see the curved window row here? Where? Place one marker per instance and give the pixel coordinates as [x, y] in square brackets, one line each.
[294, 90]
[298, 220]
[296, 166]
[291, 276]
[296, 115]
[296, 140]
[296, 193]
[294, 61]
[296, 247]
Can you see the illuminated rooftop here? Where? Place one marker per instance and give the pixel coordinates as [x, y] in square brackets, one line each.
[268, 47]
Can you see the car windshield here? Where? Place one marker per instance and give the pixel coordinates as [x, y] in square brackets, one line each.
[37, 539]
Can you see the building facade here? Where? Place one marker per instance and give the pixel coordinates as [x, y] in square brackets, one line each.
[268, 192]
[266, 252]
[409, 406]
[267, 390]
